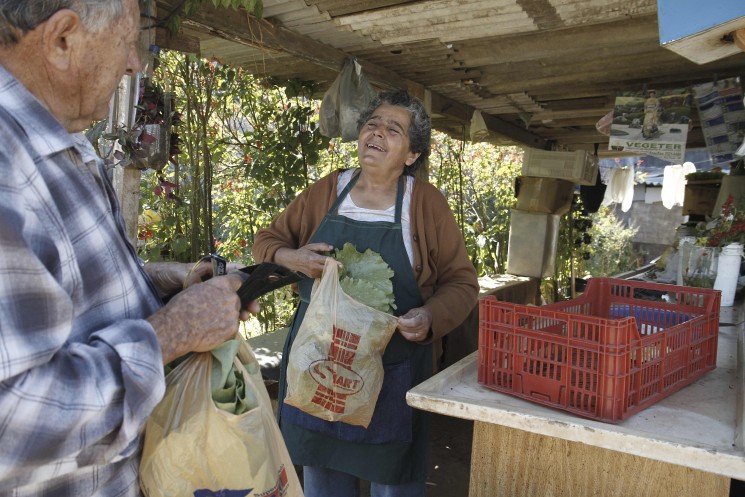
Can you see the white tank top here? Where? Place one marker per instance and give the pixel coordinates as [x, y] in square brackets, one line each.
[349, 209]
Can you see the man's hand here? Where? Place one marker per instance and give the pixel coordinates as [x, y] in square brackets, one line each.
[171, 277]
[201, 317]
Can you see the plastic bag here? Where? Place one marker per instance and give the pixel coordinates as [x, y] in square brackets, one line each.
[194, 448]
[335, 366]
[478, 131]
[344, 101]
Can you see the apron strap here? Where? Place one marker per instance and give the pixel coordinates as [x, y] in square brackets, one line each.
[399, 199]
[340, 198]
[355, 176]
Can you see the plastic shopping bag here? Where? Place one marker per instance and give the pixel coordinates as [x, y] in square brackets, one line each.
[335, 367]
[194, 448]
[344, 101]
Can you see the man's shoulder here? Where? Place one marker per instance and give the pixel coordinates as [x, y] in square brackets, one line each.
[26, 123]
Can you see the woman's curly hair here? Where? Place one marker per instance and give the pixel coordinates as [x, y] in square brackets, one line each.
[420, 129]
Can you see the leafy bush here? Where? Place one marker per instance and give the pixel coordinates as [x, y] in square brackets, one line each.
[612, 249]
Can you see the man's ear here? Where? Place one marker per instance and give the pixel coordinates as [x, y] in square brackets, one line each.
[59, 35]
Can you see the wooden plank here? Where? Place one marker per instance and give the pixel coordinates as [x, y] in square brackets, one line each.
[506, 462]
[579, 41]
[534, 81]
[344, 7]
[179, 41]
[449, 107]
[466, 29]
[433, 14]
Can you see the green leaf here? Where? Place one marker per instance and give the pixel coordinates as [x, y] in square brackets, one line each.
[365, 292]
[366, 277]
[258, 10]
[180, 245]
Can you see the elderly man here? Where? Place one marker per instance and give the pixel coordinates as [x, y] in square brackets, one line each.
[83, 333]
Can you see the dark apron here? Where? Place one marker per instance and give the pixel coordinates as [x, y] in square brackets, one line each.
[393, 448]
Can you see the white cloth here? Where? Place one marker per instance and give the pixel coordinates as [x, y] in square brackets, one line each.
[674, 182]
[620, 187]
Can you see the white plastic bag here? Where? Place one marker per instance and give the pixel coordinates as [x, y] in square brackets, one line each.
[194, 448]
[335, 366]
[344, 101]
[478, 130]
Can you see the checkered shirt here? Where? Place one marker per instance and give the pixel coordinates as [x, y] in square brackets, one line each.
[80, 368]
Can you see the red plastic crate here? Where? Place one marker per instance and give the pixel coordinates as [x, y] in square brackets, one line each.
[605, 355]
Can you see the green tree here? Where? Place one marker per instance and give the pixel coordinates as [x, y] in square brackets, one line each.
[248, 146]
[478, 180]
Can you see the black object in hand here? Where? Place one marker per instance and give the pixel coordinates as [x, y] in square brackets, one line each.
[263, 278]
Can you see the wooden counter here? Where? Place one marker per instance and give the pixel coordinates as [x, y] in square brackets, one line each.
[689, 444]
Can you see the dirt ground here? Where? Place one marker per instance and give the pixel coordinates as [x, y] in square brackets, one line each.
[450, 458]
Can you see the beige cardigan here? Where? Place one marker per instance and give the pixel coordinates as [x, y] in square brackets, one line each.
[443, 271]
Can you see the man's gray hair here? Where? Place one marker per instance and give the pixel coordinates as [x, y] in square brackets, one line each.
[18, 17]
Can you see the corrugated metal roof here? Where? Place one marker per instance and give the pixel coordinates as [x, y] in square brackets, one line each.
[545, 69]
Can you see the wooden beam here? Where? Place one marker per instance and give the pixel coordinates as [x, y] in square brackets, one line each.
[179, 41]
[245, 29]
[739, 37]
[462, 112]
[580, 41]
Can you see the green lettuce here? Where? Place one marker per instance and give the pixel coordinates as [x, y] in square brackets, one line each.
[366, 278]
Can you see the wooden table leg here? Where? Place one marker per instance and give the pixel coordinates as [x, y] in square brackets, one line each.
[506, 462]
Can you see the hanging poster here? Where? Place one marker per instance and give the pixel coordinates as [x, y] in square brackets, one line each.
[722, 116]
[653, 123]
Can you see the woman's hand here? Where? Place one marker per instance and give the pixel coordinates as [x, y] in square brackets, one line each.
[306, 259]
[415, 324]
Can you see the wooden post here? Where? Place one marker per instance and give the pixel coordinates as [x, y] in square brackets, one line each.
[126, 180]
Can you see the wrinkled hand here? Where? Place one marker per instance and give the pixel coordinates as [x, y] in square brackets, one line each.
[415, 324]
[172, 277]
[169, 277]
[201, 317]
[306, 260]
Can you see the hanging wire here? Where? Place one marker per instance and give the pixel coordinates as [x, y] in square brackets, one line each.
[460, 181]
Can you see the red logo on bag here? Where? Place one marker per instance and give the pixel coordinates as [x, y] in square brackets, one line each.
[283, 485]
[334, 375]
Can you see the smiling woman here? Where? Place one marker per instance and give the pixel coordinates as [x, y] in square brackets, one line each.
[378, 206]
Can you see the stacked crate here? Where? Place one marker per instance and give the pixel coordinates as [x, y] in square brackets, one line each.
[544, 194]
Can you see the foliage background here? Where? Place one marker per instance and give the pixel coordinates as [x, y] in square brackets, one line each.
[248, 146]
